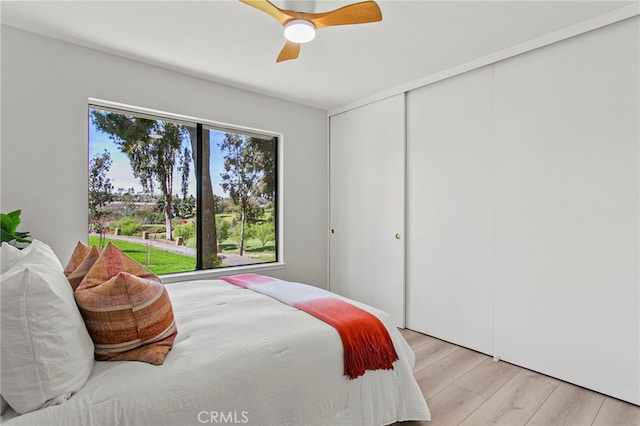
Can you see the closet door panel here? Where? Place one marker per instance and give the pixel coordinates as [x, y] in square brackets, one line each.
[566, 212]
[449, 210]
[367, 152]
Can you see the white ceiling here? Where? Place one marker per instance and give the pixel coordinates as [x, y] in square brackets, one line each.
[229, 42]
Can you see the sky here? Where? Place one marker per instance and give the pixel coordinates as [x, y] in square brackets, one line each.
[122, 177]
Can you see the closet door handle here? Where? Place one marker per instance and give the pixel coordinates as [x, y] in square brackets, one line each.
[397, 236]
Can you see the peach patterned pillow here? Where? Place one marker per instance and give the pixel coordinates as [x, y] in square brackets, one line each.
[84, 267]
[79, 253]
[126, 309]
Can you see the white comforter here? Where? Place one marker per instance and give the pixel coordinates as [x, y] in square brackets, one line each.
[241, 357]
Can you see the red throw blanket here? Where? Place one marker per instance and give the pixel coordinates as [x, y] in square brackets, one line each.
[366, 342]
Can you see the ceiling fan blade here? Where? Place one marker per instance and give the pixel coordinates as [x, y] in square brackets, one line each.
[357, 13]
[290, 50]
[266, 6]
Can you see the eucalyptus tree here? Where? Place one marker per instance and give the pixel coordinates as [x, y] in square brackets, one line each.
[153, 147]
[242, 178]
[100, 186]
[206, 201]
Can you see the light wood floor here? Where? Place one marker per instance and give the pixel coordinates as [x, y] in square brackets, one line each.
[464, 387]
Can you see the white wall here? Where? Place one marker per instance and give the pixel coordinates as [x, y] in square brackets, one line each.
[46, 84]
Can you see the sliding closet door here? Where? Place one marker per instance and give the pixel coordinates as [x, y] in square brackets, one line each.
[449, 210]
[367, 205]
[567, 210]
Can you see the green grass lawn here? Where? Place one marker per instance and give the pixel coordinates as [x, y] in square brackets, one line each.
[161, 262]
[252, 248]
[166, 262]
[251, 245]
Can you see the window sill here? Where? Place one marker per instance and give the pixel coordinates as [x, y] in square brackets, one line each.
[217, 273]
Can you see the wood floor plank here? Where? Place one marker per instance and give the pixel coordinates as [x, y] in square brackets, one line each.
[431, 352]
[568, 405]
[452, 405]
[488, 377]
[414, 338]
[464, 387]
[515, 402]
[438, 375]
[617, 413]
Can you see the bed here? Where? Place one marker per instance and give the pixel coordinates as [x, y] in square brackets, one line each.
[241, 357]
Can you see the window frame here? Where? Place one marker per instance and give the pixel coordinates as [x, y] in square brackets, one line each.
[199, 123]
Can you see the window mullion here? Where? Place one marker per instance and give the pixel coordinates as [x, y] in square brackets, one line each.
[199, 195]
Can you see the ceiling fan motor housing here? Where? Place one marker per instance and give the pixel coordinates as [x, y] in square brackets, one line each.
[299, 31]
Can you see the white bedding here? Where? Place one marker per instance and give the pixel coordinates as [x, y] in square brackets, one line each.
[241, 357]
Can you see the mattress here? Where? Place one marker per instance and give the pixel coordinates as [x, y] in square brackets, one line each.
[245, 358]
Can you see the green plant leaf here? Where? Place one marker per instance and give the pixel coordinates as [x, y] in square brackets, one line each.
[21, 237]
[6, 237]
[10, 221]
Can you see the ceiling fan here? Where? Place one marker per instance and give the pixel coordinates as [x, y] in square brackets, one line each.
[300, 27]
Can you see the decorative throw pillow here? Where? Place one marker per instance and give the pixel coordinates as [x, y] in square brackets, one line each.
[126, 309]
[79, 254]
[82, 269]
[44, 346]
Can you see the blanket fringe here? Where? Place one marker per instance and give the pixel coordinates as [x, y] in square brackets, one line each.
[372, 352]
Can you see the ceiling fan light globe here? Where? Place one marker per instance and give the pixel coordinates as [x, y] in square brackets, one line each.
[299, 31]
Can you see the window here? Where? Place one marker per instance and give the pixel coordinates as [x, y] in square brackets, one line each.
[179, 195]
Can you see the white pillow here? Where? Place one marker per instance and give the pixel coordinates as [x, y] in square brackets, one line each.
[46, 351]
[37, 253]
[9, 256]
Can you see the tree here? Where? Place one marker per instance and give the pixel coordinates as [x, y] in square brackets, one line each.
[184, 168]
[187, 231]
[241, 178]
[265, 153]
[265, 232]
[100, 187]
[184, 207]
[223, 230]
[223, 205]
[206, 204]
[153, 146]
